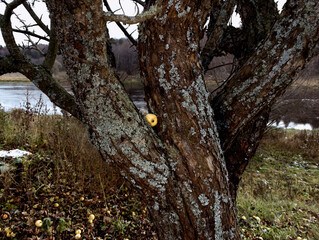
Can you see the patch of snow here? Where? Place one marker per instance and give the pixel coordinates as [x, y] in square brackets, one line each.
[299, 126]
[292, 125]
[16, 153]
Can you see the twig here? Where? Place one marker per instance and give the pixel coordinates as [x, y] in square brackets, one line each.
[36, 18]
[140, 2]
[152, 12]
[129, 36]
[31, 34]
[221, 65]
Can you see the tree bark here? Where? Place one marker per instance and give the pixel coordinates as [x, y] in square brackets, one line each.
[175, 91]
[186, 187]
[187, 169]
[260, 81]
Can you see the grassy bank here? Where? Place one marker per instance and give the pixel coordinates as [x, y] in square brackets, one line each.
[65, 180]
[279, 193]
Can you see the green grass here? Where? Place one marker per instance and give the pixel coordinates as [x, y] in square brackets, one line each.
[278, 195]
[281, 188]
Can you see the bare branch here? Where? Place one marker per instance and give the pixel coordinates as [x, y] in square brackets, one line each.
[52, 50]
[140, 2]
[153, 11]
[129, 36]
[26, 32]
[121, 7]
[221, 65]
[6, 28]
[36, 18]
[32, 33]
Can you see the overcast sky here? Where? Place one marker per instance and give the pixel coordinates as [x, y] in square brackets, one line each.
[128, 6]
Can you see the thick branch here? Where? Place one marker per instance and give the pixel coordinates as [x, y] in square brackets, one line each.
[152, 12]
[264, 13]
[6, 29]
[217, 25]
[265, 76]
[243, 148]
[43, 80]
[7, 65]
[242, 42]
[52, 49]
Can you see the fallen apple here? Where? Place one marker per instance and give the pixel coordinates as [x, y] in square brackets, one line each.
[77, 236]
[91, 217]
[151, 119]
[38, 223]
[257, 218]
[78, 231]
[56, 205]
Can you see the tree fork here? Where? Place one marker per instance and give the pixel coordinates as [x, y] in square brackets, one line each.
[185, 201]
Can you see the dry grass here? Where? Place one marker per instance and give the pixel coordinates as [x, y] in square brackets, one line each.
[16, 77]
[278, 196]
[64, 169]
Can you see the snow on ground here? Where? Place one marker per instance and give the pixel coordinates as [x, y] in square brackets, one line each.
[292, 125]
[16, 153]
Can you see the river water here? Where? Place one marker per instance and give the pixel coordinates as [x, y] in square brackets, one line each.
[16, 95]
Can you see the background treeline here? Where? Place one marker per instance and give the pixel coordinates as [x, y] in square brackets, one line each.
[127, 60]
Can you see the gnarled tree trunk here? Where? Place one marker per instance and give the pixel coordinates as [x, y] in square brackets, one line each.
[187, 170]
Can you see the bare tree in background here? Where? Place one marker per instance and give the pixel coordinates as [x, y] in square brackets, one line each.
[188, 170]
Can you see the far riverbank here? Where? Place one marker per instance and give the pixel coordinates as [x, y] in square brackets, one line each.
[13, 77]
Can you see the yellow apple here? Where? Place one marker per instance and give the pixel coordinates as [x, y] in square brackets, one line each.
[257, 218]
[78, 231]
[151, 119]
[91, 217]
[77, 236]
[38, 223]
